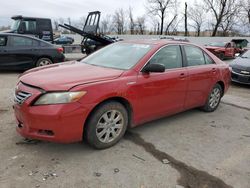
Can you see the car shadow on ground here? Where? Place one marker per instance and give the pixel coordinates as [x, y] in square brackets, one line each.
[11, 71]
[83, 147]
[238, 85]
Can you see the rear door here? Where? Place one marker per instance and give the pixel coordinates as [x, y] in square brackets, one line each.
[21, 52]
[161, 94]
[202, 74]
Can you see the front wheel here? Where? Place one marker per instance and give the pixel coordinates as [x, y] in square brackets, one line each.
[213, 99]
[107, 125]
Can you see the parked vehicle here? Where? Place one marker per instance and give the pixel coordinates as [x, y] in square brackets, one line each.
[223, 49]
[122, 85]
[64, 40]
[20, 52]
[240, 69]
[92, 40]
[89, 46]
[37, 27]
[241, 45]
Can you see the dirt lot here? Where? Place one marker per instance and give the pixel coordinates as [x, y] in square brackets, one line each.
[192, 149]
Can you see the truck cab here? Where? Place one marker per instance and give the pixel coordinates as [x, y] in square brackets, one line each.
[38, 27]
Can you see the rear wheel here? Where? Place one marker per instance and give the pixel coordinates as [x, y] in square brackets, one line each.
[222, 56]
[213, 99]
[43, 62]
[107, 125]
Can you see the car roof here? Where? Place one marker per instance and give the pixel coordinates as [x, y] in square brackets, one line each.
[26, 36]
[155, 41]
[16, 17]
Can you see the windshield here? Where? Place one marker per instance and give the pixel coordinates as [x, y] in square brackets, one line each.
[119, 55]
[246, 54]
[218, 44]
[15, 25]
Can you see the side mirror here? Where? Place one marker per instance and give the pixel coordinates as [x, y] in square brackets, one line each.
[153, 68]
[22, 28]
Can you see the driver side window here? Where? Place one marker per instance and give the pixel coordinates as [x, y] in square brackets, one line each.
[169, 56]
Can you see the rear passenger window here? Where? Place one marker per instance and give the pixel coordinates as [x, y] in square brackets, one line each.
[208, 59]
[169, 56]
[3, 41]
[194, 56]
[35, 43]
[21, 41]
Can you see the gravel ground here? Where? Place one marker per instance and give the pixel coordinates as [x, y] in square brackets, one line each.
[192, 149]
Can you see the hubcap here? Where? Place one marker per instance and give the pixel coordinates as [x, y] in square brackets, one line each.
[109, 126]
[44, 62]
[214, 98]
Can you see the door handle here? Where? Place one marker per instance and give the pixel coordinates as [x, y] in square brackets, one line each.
[213, 70]
[182, 76]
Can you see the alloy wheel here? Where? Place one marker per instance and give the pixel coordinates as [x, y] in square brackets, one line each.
[109, 126]
[214, 98]
[44, 62]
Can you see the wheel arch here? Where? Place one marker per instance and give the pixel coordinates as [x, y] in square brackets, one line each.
[221, 83]
[119, 99]
[43, 56]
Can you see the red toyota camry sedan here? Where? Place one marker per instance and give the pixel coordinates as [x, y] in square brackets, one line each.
[122, 85]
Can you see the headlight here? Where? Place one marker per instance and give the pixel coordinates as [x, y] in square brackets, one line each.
[60, 97]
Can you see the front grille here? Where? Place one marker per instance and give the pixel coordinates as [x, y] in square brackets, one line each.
[240, 78]
[236, 70]
[21, 96]
[241, 71]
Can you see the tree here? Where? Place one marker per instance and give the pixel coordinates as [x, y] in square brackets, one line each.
[141, 25]
[106, 24]
[220, 9]
[171, 23]
[228, 24]
[119, 21]
[197, 16]
[131, 21]
[245, 9]
[160, 8]
[244, 16]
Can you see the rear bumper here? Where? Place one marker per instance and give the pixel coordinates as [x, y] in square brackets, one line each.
[59, 59]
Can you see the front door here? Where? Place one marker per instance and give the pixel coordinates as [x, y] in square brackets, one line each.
[161, 94]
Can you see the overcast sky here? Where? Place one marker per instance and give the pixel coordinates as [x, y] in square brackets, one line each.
[64, 8]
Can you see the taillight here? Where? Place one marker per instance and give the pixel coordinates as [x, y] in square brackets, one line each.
[60, 50]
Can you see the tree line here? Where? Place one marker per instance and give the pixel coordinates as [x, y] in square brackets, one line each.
[219, 17]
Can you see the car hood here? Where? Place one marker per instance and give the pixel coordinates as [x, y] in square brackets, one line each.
[241, 64]
[64, 76]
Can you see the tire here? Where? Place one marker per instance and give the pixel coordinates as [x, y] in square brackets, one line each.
[106, 125]
[222, 56]
[213, 99]
[43, 61]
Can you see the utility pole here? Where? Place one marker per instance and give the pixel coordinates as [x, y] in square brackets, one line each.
[186, 29]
